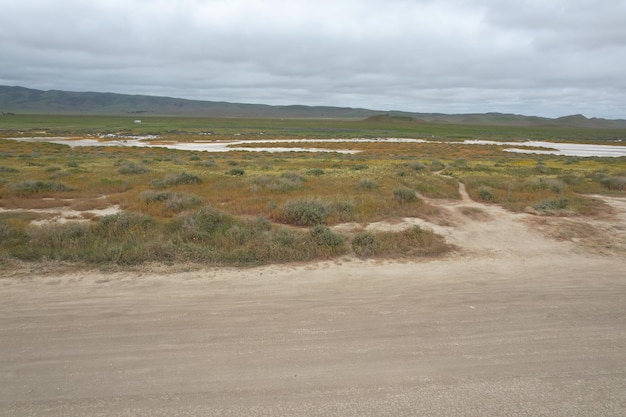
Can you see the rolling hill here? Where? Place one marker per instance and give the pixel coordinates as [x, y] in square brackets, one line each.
[26, 100]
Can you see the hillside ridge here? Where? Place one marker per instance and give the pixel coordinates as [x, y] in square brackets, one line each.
[15, 99]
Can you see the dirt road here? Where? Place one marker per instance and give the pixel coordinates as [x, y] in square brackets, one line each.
[494, 330]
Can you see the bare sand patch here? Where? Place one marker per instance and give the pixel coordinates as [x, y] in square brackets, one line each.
[54, 210]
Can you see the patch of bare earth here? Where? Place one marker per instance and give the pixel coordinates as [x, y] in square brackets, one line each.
[56, 210]
[602, 235]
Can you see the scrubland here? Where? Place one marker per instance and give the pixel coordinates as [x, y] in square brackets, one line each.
[250, 208]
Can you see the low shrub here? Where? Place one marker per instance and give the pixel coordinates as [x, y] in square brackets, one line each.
[459, 164]
[547, 206]
[293, 177]
[58, 241]
[183, 178]
[614, 183]
[8, 170]
[555, 185]
[436, 165]
[367, 185]
[309, 212]
[359, 167]
[315, 172]
[322, 236]
[181, 202]
[261, 224]
[235, 171]
[571, 179]
[342, 211]
[132, 168]
[405, 195]
[416, 166]
[124, 224]
[151, 196]
[485, 193]
[203, 224]
[365, 244]
[407, 243]
[25, 188]
[283, 237]
[5, 231]
[208, 163]
[274, 183]
[172, 201]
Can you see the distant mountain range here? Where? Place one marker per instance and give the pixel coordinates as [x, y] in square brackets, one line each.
[14, 100]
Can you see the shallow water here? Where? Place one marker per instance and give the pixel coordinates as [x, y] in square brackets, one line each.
[551, 148]
[558, 148]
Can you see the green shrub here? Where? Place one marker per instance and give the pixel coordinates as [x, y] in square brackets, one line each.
[60, 241]
[315, 172]
[132, 168]
[177, 179]
[293, 177]
[365, 244]
[614, 183]
[411, 242]
[151, 196]
[209, 163]
[180, 202]
[261, 224]
[554, 184]
[417, 166]
[571, 179]
[203, 224]
[359, 167]
[5, 231]
[405, 195]
[305, 212]
[322, 236]
[281, 184]
[33, 187]
[59, 174]
[548, 206]
[238, 234]
[342, 211]
[485, 193]
[124, 224]
[8, 170]
[235, 171]
[436, 165]
[367, 185]
[459, 164]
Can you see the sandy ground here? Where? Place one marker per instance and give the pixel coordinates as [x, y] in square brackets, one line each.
[527, 318]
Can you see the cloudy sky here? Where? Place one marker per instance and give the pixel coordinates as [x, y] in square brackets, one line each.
[534, 57]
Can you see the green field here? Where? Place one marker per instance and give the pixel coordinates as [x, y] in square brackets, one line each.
[249, 208]
[189, 127]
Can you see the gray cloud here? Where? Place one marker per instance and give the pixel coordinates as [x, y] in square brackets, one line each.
[549, 58]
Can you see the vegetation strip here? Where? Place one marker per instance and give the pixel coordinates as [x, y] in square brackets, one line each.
[277, 207]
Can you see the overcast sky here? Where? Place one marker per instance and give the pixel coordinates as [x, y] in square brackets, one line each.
[534, 57]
